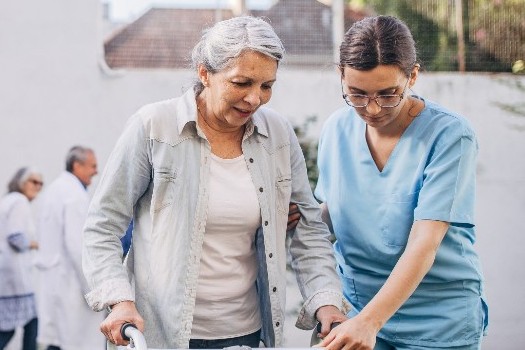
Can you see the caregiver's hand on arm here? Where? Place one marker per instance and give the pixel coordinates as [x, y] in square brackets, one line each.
[293, 216]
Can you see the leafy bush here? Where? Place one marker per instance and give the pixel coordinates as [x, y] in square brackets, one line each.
[309, 147]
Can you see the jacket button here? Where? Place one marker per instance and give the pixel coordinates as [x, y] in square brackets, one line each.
[274, 289]
[270, 255]
[260, 189]
[251, 160]
[277, 324]
[266, 223]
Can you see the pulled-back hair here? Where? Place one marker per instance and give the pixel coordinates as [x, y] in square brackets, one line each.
[227, 39]
[379, 40]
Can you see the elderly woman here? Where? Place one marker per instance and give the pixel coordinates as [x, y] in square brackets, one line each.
[207, 178]
[17, 299]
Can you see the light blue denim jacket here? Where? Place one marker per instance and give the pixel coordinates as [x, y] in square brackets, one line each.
[158, 175]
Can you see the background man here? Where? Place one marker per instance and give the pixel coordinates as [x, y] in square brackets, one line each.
[65, 321]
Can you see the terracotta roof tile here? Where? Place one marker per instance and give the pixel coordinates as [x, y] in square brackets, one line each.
[164, 38]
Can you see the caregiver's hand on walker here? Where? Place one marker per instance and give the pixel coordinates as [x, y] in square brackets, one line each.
[121, 313]
[355, 333]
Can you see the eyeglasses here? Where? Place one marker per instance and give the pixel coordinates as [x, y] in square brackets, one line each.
[36, 182]
[383, 101]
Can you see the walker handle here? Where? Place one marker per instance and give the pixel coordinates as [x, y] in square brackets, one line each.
[129, 332]
[123, 329]
[332, 326]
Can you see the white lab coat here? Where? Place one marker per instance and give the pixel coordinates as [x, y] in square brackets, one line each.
[65, 319]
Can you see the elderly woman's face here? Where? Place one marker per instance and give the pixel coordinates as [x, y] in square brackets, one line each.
[235, 93]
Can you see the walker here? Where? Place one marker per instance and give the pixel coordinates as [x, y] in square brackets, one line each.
[137, 341]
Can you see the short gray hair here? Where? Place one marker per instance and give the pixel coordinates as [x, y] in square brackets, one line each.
[76, 154]
[227, 39]
[21, 176]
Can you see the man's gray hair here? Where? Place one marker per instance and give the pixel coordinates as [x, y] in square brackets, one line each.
[76, 154]
[227, 39]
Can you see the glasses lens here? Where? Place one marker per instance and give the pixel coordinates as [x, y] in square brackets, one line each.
[357, 100]
[388, 100]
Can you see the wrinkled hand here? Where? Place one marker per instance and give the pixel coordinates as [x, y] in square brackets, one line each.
[293, 216]
[354, 333]
[326, 315]
[123, 312]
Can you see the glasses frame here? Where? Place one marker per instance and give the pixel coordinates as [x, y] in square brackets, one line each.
[36, 182]
[346, 97]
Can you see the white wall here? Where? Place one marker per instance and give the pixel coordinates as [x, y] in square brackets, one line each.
[54, 94]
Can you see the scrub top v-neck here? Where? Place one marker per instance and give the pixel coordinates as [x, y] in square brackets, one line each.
[430, 175]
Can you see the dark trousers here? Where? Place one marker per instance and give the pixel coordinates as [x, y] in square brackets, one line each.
[29, 338]
[251, 340]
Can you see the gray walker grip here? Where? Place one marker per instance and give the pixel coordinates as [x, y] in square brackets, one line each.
[130, 332]
[314, 340]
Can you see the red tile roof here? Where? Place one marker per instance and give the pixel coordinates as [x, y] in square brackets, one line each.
[161, 38]
[164, 38]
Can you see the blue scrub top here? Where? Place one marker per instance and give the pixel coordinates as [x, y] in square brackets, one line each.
[430, 175]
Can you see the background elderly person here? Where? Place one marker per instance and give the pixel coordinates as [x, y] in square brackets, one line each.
[65, 321]
[207, 178]
[17, 229]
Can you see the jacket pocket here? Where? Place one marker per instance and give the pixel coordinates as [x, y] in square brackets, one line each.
[164, 183]
[398, 218]
[283, 194]
[453, 313]
[349, 289]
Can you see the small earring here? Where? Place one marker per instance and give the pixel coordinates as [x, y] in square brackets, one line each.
[205, 83]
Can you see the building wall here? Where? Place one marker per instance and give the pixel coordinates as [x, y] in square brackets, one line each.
[55, 93]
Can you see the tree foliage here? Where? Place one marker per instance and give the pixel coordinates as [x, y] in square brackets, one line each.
[309, 147]
[494, 31]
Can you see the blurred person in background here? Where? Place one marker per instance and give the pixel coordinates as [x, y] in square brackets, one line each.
[208, 178]
[17, 232]
[65, 321]
[397, 176]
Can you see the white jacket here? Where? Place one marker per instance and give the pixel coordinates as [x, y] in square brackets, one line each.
[16, 282]
[65, 319]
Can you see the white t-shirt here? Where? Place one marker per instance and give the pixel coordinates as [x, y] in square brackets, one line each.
[227, 304]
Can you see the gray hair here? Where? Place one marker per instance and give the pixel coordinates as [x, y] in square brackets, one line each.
[76, 154]
[227, 39]
[21, 176]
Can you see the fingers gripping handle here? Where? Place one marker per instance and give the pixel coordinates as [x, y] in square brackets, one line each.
[129, 332]
[332, 326]
[315, 339]
[123, 329]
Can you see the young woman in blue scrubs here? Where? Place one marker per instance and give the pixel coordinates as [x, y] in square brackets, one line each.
[397, 179]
